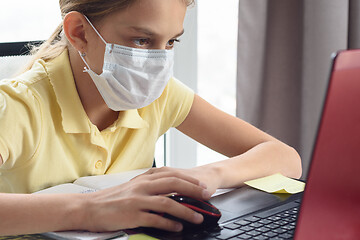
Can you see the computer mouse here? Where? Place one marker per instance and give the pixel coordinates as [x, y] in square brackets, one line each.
[210, 213]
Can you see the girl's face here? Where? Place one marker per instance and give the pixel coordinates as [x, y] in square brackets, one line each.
[154, 24]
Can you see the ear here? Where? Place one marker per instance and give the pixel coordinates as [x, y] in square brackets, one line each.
[75, 26]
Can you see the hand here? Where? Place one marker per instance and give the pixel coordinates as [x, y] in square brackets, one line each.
[130, 205]
[205, 174]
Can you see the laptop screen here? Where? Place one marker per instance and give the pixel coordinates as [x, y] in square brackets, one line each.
[331, 203]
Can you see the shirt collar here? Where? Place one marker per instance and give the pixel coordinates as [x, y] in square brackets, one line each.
[128, 119]
[74, 117]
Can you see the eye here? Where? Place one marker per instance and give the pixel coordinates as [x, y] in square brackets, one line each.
[141, 42]
[170, 44]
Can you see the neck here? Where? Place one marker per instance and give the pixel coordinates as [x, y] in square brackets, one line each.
[94, 105]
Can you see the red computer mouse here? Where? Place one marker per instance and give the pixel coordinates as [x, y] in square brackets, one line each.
[210, 213]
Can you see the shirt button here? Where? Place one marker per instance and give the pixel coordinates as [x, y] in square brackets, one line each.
[98, 164]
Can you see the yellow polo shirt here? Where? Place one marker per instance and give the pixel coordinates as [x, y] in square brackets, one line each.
[47, 139]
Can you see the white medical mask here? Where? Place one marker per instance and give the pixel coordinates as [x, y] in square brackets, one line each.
[132, 78]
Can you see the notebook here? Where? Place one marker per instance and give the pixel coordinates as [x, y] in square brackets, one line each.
[329, 208]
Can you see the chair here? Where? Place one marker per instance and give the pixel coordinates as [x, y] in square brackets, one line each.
[13, 57]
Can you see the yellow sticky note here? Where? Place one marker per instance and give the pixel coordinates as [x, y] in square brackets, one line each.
[141, 236]
[277, 183]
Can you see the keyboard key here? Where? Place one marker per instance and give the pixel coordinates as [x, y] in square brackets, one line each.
[281, 222]
[242, 222]
[252, 219]
[274, 218]
[244, 236]
[289, 219]
[263, 229]
[291, 232]
[286, 236]
[261, 238]
[264, 221]
[227, 233]
[246, 228]
[279, 230]
[231, 226]
[253, 233]
[272, 225]
[295, 210]
[256, 225]
[287, 227]
[284, 215]
[270, 234]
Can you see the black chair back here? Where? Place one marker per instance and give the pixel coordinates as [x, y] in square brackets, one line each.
[16, 48]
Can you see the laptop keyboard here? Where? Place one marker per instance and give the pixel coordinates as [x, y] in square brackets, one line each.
[275, 223]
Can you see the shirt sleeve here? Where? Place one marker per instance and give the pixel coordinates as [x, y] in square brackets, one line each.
[20, 124]
[175, 104]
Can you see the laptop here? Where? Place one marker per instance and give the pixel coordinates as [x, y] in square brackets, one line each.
[329, 208]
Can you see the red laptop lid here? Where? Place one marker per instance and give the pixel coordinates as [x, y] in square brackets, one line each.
[330, 207]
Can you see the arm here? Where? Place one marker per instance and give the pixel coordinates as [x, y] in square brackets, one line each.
[252, 153]
[121, 207]
[30, 213]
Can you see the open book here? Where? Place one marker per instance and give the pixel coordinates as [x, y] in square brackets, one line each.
[92, 184]
[87, 185]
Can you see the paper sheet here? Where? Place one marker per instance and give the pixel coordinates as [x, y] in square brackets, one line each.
[84, 235]
[277, 183]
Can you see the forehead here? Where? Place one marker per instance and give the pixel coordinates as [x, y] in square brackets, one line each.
[160, 16]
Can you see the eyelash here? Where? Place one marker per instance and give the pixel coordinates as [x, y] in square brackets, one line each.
[175, 40]
[137, 42]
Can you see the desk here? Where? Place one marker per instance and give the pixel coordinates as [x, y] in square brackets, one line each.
[231, 204]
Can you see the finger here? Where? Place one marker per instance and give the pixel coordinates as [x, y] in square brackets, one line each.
[156, 174]
[145, 174]
[162, 204]
[172, 184]
[156, 221]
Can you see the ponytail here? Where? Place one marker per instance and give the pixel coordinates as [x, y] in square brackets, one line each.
[49, 49]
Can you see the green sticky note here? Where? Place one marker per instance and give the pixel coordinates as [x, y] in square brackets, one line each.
[277, 183]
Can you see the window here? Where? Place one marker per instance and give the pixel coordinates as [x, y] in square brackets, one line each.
[217, 60]
[24, 20]
[206, 61]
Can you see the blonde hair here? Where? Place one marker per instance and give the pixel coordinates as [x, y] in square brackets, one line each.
[93, 9]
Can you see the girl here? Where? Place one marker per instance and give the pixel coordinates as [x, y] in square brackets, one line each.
[99, 93]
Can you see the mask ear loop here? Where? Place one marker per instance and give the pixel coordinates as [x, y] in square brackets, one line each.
[87, 19]
[82, 55]
[95, 29]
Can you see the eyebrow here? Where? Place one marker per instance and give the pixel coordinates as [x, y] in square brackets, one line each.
[151, 33]
[179, 34]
